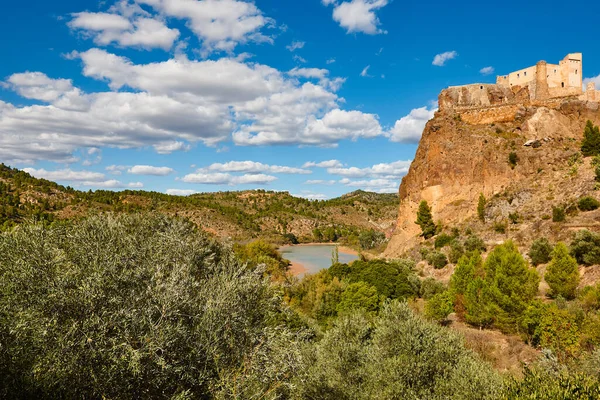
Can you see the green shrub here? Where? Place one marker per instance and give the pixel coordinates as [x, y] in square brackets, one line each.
[481, 207]
[562, 274]
[399, 355]
[439, 306]
[359, 296]
[443, 240]
[514, 218]
[425, 220]
[540, 251]
[558, 214]
[475, 243]
[588, 203]
[513, 159]
[371, 239]
[585, 247]
[590, 145]
[456, 251]
[500, 227]
[437, 259]
[134, 306]
[431, 287]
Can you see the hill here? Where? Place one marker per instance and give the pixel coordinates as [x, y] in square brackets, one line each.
[242, 216]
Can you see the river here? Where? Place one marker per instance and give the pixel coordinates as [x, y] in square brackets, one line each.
[311, 258]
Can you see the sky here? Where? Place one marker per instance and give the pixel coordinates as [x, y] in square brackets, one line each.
[314, 97]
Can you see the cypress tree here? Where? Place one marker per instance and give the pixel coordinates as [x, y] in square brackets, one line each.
[425, 220]
[481, 207]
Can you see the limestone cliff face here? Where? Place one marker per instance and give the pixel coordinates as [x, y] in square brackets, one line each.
[465, 153]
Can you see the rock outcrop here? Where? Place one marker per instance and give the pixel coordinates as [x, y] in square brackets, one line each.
[465, 152]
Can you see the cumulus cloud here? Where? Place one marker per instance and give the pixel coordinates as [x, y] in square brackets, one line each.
[219, 25]
[295, 46]
[595, 80]
[358, 15]
[486, 70]
[323, 164]
[320, 182]
[409, 128]
[219, 178]
[391, 170]
[114, 184]
[133, 29]
[253, 167]
[150, 170]
[441, 59]
[181, 192]
[375, 185]
[65, 175]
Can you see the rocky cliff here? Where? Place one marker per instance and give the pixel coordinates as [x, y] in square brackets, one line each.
[464, 151]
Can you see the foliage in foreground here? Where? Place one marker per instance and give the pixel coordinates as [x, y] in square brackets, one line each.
[126, 307]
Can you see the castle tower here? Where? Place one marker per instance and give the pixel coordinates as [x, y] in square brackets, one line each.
[590, 92]
[541, 81]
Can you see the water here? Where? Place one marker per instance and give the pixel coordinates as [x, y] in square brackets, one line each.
[314, 257]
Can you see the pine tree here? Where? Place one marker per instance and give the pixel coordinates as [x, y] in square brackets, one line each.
[481, 207]
[562, 274]
[591, 140]
[425, 220]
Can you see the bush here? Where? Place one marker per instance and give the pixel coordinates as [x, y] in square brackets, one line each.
[540, 251]
[591, 140]
[562, 274]
[439, 306]
[588, 203]
[431, 287]
[500, 227]
[481, 207]
[359, 296]
[585, 247]
[558, 214]
[398, 355]
[135, 306]
[371, 239]
[425, 220]
[443, 240]
[475, 243]
[437, 259]
[513, 159]
[456, 251]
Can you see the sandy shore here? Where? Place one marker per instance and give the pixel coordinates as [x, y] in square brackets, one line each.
[296, 269]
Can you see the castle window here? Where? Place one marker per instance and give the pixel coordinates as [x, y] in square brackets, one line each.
[562, 84]
[575, 72]
[518, 75]
[525, 73]
[480, 87]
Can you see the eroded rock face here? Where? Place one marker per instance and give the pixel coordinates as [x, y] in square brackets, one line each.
[457, 160]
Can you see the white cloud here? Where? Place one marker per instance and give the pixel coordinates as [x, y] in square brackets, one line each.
[365, 72]
[220, 25]
[310, 195]
[441, 59]
[295, 46]
[376, 185]
[309, 73]
[409, 128]
[358, 15]
[254, 167]
[330, 61]
[323, 164]
[38, 86]
[116, 169]
[181, 192]
[219, 178]
[136, 30]
[150, 170]
[65, 175]
[320, 182]
[114, 184]
[170, 147]
[595, 80]
[391, 170]
[486, 70]
[300, 59]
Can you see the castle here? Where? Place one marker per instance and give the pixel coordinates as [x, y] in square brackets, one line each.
[541, 83]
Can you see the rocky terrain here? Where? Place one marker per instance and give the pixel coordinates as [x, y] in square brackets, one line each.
[457, 160]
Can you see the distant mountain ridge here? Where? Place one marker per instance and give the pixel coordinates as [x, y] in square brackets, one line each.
[241, 215]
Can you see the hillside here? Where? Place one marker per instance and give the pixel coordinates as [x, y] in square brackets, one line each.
[238, 215]
[463, 154]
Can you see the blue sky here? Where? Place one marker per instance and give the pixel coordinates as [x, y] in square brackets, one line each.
[315, 97]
